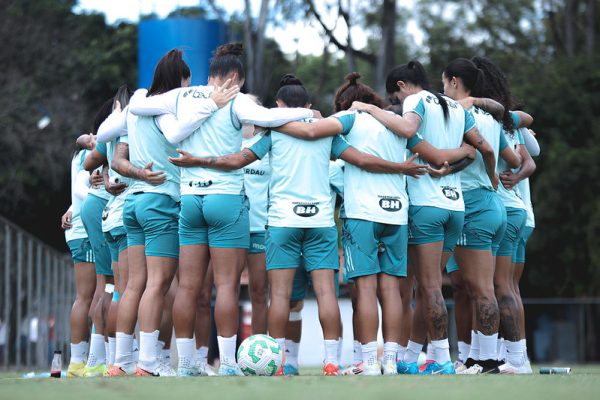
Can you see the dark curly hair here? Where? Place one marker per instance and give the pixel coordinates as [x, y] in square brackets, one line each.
[352, 91]
[496, 87]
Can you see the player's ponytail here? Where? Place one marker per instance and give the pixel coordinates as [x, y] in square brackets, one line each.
[471, 77]
[169, 72]
[413, 72]
[352, 91]
[123, 95]
[292, 92]
[227, 59]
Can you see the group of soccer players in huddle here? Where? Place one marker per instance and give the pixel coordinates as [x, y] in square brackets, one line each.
[181, 187]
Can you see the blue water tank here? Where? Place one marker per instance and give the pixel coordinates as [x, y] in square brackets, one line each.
[197, 38]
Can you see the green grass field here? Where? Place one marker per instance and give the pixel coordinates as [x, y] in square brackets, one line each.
[583, 383]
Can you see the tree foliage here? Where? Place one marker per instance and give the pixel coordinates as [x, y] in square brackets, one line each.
[63, 66]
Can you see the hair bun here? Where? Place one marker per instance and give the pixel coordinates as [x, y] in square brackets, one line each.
[230, 49]
[352, 77]
[288, 80]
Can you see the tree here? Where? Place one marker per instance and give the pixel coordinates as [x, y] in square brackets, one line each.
[383, 57]
[63, 66]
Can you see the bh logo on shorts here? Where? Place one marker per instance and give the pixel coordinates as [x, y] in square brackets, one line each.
[306, 210]
[391, 204]
[450, 193]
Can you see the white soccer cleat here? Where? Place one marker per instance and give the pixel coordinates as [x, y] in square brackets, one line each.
[356, 369]
[165, 370]
[204, 369]
[390, 368]
[474, 370]
[372, 370]
[459, 366]
[508, 368]
[230, 370]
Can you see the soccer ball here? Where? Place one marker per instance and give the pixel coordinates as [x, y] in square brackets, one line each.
[259, 355]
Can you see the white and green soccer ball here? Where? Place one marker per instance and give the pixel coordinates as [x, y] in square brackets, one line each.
[259, 355]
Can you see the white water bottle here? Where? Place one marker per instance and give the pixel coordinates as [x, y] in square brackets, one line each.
[56, 367]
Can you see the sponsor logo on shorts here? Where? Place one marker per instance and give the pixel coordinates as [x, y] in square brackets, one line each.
[258, 246]
[450, 193]
[389, 203]
[105, 213]
[306, 209]
[200, 184]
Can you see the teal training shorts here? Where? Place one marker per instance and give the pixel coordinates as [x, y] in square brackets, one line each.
[483, 219]
[91, 215]
[432, 224]
[218, 220]
[519, 250]
[81, 250]
[289, 247]
[117, 242]
[515, 221]
[257, 243]
[452, 265]
[151, 220]
[372, 247]
[303, 283]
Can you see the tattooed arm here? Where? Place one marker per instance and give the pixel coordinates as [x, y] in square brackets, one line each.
[123, 166]
[492, 106]
[227, 162]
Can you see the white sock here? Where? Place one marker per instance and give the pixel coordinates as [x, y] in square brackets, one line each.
[514, 353]
[463, 351]
[369, 354]
[358, 358]
[331, 351]
[106, 352]
[430, 353]
[401, 353]
[390, 350]
[412, 352]
[291, 353]
[281, 343]
[148, 351]
[79, 352]
[441, 351]
[112, 347]
[474, 350]
[186, 351]
[339, 350]
[524, 344]
[202, 354]
[501, 349]
[227, 349]
[97, 354]
[124, 351]
[487, 346]
[160, 345]
[135, 350]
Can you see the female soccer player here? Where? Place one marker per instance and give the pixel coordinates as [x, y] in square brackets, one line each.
[91, 215]
[256, 186]
[436, 210]
[214, 212]
[508, 179]
[151, 240]
[83, 260]
[114, 231]
[300, 220]
[485, 220]
[508, 303]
